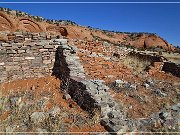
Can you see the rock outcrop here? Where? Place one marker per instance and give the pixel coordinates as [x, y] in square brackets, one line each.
[18, 21]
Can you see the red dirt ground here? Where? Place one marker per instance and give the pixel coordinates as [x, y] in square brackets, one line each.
[43, 87]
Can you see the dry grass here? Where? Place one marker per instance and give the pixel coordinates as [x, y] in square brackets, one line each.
[21, 100]
[137, 65]
[172, 57]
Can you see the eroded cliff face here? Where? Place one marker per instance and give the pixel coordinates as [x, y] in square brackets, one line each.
[140, 40]
[13, 22]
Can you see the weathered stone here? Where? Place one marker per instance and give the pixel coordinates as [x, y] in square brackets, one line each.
[2, 68]
[11, 52]
[52, 50]
[104, 121]
[2, 63]
[33, 87]
[163, 115]
[54, 111]
[38, 117]
[10, 129]
[146, 85]
[176, 107]
[111, 104]
[106, 43]
[133, 86]
[18, 59]
[66, 96]
[2, 52]
[112, 128]
[41, 131]
[38, 59]
[43, 50]
[21, 51]
[150, 81]
[48, 47]
[29, 58]
[3, 79]
[160, 93]
[46, 61]
[3, 73]
[6, 45]
[113, 114]
[62, 41]
[15, 100]
[56, 46]
[9, 68]
[36, 47]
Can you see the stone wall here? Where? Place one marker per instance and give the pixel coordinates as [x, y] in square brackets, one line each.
[93, 93]
[27, 55]
[19, 37]
[146, 57]
[90, 94]
[102, 60]
[36, 56]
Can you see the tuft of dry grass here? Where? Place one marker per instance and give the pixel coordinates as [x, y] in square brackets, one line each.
[136, 64]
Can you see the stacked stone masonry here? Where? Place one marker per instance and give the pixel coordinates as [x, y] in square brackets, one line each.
[27, 55]
[36, 55]
[88, 93]
[102, 60]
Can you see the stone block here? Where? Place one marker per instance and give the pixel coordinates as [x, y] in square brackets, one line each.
[27, 39]
[36, 47]
[25, 47]
[29, 58]
[10, 68]
[2, 68]
[113, 114]
[52, 50]
[2, 51]
[6, 45]
[62, 41]
[46, 61]
[3, 73]
[2, 63]
[43, 50]
[66, 96]
[18, 44]
[56, 46]
[11, 51]
[21, 51]
[48, 47]
[18, 59]
[3, 79]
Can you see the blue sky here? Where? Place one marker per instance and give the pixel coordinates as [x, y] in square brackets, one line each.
[163, 19]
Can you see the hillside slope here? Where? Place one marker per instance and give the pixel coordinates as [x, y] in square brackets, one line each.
[12, 21]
